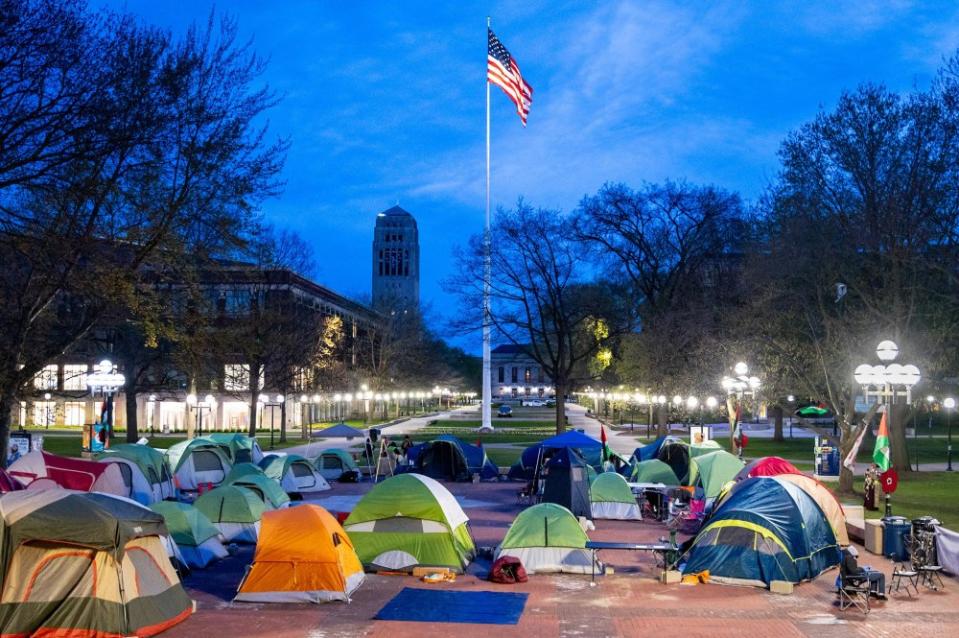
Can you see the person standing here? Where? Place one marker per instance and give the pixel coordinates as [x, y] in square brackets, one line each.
[869, 491]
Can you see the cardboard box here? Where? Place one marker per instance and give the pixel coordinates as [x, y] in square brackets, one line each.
[672, 577]
[781, 587]
[419, 572]
[873, 535]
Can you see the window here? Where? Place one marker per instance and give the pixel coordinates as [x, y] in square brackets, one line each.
[539, 374]
[45, 413]
[514, 375]
[527, 375]
[46, 379]
[502, 375]
[236, 377]
[75, 377]
[74, 413]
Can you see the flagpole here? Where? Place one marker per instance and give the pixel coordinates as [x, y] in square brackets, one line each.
[487, 416]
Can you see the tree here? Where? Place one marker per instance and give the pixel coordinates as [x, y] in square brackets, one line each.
[121, 150]
[541, 297]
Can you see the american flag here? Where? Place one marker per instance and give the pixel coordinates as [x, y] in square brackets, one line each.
[502, 70]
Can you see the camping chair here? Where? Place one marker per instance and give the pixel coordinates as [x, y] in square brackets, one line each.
[900, 574]
[853, 591]
[931, 577]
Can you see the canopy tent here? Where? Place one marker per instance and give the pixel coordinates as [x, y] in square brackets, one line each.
[8, 483]
[339, 431]
[767, 466]
[303, 556]
[566, 481]
[40, 470]
[675, 454]
[145, 472]
[197, 462]
[827, 503]
[767, 529]
[195, 536]
[547, 538]
[294, 473]
[653, 471]
[414, 514]
[712, 471]
[243, 469]
[235, 511]
[450, 458]
[241, 448]
[83, 564]
[267, 489]
[335, 464]
[611, 498]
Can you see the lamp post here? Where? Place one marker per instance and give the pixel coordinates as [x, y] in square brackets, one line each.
[273, 405]
[208, 403]
[107, 381]
[791, 401]
[737, 387]
[885, 379]
[949, 404]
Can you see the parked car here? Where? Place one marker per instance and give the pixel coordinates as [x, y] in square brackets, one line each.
[534, 403]
[504, 411]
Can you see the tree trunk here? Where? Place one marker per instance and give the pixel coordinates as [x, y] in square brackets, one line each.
[283, 421]
[778, 423]
[662, 421]
[560, 408]
[130, 404]
[7, 404]
[254, 395]
[898, 447]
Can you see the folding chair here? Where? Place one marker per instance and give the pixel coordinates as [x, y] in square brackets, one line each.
[853, 592]
[931, 577]
[903, 578]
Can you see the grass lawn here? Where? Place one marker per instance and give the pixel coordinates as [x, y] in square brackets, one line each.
[70, 445]
[504, 457]
[924, 493]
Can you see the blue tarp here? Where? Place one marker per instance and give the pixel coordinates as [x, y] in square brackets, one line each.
[573, 439]
[434, 606]
[767, 529]
[340, 430]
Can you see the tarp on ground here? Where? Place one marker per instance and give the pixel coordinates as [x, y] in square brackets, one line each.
[547, 538]
[414, 514]
[611, 498]
[450, 458]
[653, 471]
[303, 555]
[767, 529]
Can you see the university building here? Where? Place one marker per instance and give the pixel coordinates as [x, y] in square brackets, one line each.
[515, 374]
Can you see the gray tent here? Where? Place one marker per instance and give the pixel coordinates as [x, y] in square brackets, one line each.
[566, 481]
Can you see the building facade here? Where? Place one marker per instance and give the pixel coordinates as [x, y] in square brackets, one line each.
[515, 374]
[396, 262]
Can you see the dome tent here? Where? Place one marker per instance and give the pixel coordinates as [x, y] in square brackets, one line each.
[712, 471]
[195, 536]
[235, 511]
[767, 466]
[241, 448]
[449, 458]
[294, 473]
[335, 464]
[39, 470]
[243, 469]
[566, 481]
[303, 556]
[590, 448]
[675, 454]
[826, 500]
[144, 470]
[547, 538]
[197, 462]
[268, 490]
[611, 498]
[765, 530]
[653, 471]
[414, 514]
[80, 564]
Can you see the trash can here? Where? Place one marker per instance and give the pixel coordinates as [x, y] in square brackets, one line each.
[894, 533]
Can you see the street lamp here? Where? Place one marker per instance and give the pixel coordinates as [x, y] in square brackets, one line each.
[949, 404]
[106, 380]
[791, 400]
[208, 403]
[885, 379]
[738, 386]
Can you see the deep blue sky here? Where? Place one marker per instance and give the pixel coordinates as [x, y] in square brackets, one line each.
[384, 102]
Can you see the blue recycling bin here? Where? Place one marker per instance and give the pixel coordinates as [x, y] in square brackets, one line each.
[895, 529]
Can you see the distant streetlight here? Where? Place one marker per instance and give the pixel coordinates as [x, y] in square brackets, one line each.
[272, 405]
[949, 404]
[107, 381]
[739, 386]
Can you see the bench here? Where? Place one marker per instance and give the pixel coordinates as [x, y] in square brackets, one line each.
[666, 550]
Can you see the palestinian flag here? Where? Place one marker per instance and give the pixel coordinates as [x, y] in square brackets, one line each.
[602, 439]
[880, 455]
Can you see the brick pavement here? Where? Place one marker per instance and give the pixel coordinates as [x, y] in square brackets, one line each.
[628, 603]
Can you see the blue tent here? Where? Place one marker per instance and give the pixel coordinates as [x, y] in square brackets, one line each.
[651, 450]
[767, 529]
[450, 458]
[590, 448]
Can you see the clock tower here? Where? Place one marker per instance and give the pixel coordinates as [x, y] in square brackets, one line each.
[396, 262]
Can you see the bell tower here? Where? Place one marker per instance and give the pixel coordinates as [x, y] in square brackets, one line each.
[396, 262]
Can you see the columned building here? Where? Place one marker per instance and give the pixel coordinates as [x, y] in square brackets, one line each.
[515, 374]
[396, 262]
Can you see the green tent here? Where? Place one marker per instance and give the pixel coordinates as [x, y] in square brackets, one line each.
[196, 537]
[196, 463]
[408, 520]
[611, 498]
[234, 510]
[547, 538]
[243, 469]
[242, 449]
[333, 463]
[264, 487]
[706, 447]
[653, 471]
[294, 473]
[144, 471]
[712, 471]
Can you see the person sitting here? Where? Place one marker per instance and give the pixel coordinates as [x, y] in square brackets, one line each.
[850, 569]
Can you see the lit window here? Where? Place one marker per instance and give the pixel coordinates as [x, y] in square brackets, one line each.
[236, 377]
[75, 377]
[46, 379]
[74, 413]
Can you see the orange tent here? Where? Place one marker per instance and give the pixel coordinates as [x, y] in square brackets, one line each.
[303, 555]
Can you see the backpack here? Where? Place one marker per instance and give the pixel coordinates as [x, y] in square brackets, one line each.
[508, 570]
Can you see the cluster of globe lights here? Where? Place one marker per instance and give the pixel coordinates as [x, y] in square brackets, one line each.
[691, 402]
[887, 374]
[369, 395]
[742, 381]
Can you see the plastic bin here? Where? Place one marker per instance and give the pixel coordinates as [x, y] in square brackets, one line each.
[894, 533]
